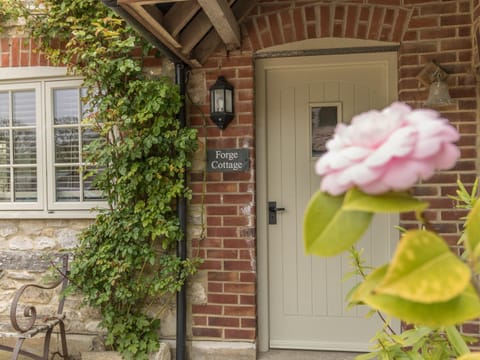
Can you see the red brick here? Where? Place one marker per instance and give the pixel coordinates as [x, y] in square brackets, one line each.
[400, 25]
[215, 287]
[424, 22]
[207, 332]
[247, 299]
[224, 321]
[222, 232]
[206, 309]
[239, 288]
[299, 22]
[248, 323]
[240, 334]
[238, 265]
[448, 20]
[223, 276]
[239, 310]
[222, 210]
[235, 221]
[222, 187]
[352, 12]
[199, 320]
[248, 277]
[365, 13]
[222, 254]
[210, 265]
[223, 299]
[375, 23]
[237, 198]
[324, 21]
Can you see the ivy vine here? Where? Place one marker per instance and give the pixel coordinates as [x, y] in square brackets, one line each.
[126, 258]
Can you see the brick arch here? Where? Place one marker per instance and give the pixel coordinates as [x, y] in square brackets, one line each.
[368, 22]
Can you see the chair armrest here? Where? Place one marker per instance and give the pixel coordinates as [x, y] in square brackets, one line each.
[30, 312]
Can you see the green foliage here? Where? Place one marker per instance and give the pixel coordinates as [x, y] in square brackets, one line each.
[425, 284]
[126, 258]
[11, 11]
[418, 343]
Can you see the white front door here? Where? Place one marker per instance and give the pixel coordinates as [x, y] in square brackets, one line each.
[304, 98]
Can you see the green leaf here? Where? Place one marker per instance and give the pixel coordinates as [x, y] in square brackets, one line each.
[391, 202]
[424, 270]
[456, 340]
[471, 356]
[328, 228]
[464, 307]
[473, 229]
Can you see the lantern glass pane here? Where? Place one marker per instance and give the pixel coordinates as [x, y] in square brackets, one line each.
[228, 101]
[219, 100]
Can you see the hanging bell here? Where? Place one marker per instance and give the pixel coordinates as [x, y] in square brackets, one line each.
[438, 94]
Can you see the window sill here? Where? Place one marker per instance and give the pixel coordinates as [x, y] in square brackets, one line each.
[57, 214]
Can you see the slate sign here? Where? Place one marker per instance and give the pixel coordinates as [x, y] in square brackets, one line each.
[228, 160]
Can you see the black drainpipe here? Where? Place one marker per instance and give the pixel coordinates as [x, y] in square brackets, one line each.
[180, 69]
[182, 216]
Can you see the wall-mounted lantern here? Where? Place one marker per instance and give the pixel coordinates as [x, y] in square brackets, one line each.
[221, 102]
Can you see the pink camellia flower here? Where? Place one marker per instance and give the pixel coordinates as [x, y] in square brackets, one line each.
[387, 150]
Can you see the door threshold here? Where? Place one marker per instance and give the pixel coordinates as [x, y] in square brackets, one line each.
[305, 355]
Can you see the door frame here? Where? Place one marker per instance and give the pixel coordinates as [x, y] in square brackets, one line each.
[262, 65]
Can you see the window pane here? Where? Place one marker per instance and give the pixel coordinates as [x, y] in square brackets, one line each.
[67, 184]
[66, 145]
[91, 192]
[4, 109]
[4, 147]
[24, 147]
[25, 184]
[5, 192]
[65, 106]
[23, 108]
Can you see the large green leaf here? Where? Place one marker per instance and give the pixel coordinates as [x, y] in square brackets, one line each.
[424, 270]
[328, 228]
[465, 306]
[391, 202]
[473, 228]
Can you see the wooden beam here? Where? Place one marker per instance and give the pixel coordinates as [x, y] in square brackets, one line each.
[212, 41]
[223, 20]
[179, 16]
[195, 31]
[146, 2]
[149, 23]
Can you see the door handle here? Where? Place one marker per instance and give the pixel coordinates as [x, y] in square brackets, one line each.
[272, 212]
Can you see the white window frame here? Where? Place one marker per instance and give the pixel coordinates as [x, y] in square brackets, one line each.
[44, 80]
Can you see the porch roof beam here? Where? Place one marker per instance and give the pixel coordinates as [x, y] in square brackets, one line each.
[223, 20]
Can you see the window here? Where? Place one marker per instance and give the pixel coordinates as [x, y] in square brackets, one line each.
[41, 140]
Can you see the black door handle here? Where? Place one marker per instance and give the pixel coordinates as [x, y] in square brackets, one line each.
[272, 212]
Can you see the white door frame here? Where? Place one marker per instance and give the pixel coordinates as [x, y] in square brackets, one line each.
[261, 66]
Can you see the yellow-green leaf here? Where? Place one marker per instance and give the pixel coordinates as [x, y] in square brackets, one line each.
[424, 270]
[473, 229]
[471, 356]
[391, 202]
[328, 228]
[465, 306]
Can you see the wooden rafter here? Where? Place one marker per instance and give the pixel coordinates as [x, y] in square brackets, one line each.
[212, 41]
[223, 20]
[180, 15]
[191, 29]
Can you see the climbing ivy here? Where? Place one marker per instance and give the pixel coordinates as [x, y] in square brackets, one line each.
[126, 258]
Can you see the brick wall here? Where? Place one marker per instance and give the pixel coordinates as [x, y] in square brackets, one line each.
[426, 30]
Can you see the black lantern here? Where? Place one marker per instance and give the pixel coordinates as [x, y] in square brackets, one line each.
[221, 102]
